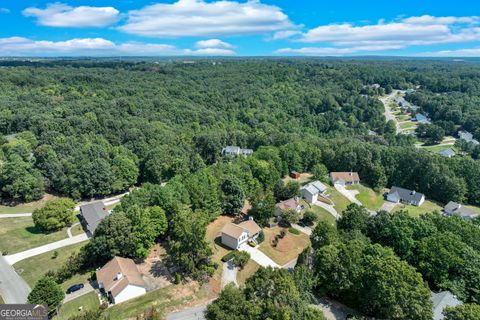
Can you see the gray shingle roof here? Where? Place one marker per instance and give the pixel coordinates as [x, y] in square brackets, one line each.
[314, 187]
[440, 301]
[93, 214]
[407, 195]
[460, 210]
[447, 152]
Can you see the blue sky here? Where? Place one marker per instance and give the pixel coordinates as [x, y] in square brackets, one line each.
[239, 28]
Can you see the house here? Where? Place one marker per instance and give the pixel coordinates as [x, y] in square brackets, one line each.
[294, 175]
[120, 280]
[406, 196]
[410, 91]
[236, 151]
[420, 118]
[372, 133]
[234, 235]
[442, 300]
[92, 214]
[467, 136]
[344, 178]
[453, 208]
[287, 205]
[447, 153]
[311, 191]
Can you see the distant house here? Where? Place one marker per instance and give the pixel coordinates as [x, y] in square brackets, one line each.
[453, 208]
[420, 118]
[372, 133]
[406, 196]
[121, 280]
[467, 136]
[447, 153]
[234, 235]
[236, 151]
[442, 300]
[287, 205]
[311, 191]
[92, 214]
[344, 178]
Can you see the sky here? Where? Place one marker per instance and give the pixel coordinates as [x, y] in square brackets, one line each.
[436, 28]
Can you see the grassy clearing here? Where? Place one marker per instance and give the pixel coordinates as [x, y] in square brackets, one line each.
[88, 301]
[32, 269]
[370, 199]
[112, 206]
[287, 248]
[323, 215]
[438, 148]
[174, 296]
[407, 125]
[26, 207]
[426, 207]
[78, 229]
[341, 203]
[247, 272]
[19, 234]
[304, 178]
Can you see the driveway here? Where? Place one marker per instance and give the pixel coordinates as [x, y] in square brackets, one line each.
[14, 215]
[14, 258]
[387, 206]
[329, 208]
[349, 194]
[306, 230]
[196, 313]
[86, 289]
[229, 274]
[258, 256]
[13, 288]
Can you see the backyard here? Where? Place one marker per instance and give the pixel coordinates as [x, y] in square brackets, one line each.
[287, 248]
[304, 178]
[426, 207]
[369, 198]
[213, 231]
[89, 301]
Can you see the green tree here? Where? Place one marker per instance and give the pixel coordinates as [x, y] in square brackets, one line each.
[324, 234]
[19, 180]
[289, 217]
[232, 304]
[469, 311]
[47, 291]
[355, 217]
[55, 214]
[263, 207]
[309, 217]
[320, 172]
[232, 195]
[286, 190]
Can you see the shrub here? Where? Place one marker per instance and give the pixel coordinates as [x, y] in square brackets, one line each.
[261, 237]
[229, 256]
[309, 218]
[282, 234]
[252, 244]
[178, 278]
[293, 230]
[54, 215]
[241, 258]
[55, 254]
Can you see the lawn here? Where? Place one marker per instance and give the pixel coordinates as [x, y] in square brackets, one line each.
[1, 300]
[407, 125]
[323, 215]
[370, 199]
[247, 272]
[34, 268]
[341, 203]
[304, 178]
[19, 234]
[287, 249]
[26, 207]
[438, 148]
[88, 301]
[426, 207]
[213, 232]
[171, 297]
[78, 229]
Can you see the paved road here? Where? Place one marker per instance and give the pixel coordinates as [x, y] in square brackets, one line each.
[388, 112]
[229, 274]
[86, 289]
[196, 313]
[258, 256]
[14, 258]
[13, 288]
[329, 208]
[14, 215]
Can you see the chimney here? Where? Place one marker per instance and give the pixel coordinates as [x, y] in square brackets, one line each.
[250, 218]
[119, 276]
[413, 192]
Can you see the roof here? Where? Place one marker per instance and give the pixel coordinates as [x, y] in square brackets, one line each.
[460, 210]
[235, 230]
[246, 151]
[93, 214]
[287, 204]
[407, 195]
[345, 176]
[251, 226]
[447, 152]
[130, 275]
[440, 301]
[314, 187]
[231, 149]
[467, 136]
[420, 117]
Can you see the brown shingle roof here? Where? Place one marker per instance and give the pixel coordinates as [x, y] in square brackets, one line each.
[233, 230]
[346, 176]
[108, 275]
[287, 204]
[251, 226]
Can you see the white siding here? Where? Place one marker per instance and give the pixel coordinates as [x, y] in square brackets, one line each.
[421, 201]
[310, 198]
[131, 291]
[232, 242]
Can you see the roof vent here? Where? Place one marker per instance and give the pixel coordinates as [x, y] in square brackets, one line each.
[413, 192]
[119, 276]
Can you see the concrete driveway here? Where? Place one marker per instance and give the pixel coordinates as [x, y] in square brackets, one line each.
[86, 289]
[349, 194]
[329, 208]
[229, 274]
[387, 206]
[196, 313]
[258, 256]
[13, 288]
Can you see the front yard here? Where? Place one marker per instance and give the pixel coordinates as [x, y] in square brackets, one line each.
[88, 302]
[287, 248]
[426, 207]
[370, 199]
[341, 203]
[322, 214]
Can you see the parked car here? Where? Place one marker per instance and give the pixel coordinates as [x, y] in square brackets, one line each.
[74, 288]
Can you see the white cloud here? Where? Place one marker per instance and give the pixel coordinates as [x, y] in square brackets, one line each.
[285, 34]
[19, 46]
[427, 19]
[200, 18]
[4, 10]
[474, 52]
[62, 15]
[213, 43]
[335, 51]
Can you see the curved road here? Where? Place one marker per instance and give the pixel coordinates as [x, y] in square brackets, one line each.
[13, 288]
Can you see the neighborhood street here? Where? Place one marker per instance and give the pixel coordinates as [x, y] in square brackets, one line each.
[13, 288]
[388, 112]
[196, 313]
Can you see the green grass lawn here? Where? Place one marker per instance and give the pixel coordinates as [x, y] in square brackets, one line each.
[370, 199]
[88, 301]
[19, 234]
[426, 207]
[341, 203]
[78, 229]
[323, 215]
[407, 125]
[287, 249]
[111, 206]
[438, 148]
[247, 272]
[1, 300]
[26, 207]
[173, 296]
[34, 268]
[304, 178]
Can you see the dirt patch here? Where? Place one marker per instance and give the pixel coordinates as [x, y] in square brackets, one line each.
[285, 244]
[153, 270]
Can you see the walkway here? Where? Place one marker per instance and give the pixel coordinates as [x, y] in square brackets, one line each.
[69, 230]
[14, 258]
[14, 215]
[13, 288]
[258, 256]
[329, 208]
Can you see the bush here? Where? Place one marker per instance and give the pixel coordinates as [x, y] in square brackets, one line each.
[54, 215]
[261, 237]
[282, 234]
[309, 218]
[293, 230]
[241, 258]
[252, 244]
[178, 278]
[229, 256]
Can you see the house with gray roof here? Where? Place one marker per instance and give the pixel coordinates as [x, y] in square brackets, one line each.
[311, 191]
[441, 300]
[420, 118]
[447, 153]
[467, 136]
[453, 208]
[92, 214]
[397, 195]
[234, 151]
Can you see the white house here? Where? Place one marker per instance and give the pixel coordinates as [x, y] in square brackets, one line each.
[234, 235]
[311, 191]
[453, 208]
[344, 178]
[233, 151]
[120, 280]
[411, 197]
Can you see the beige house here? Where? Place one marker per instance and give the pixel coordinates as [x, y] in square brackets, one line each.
[344, 178]
[234, 235]
[121, 280]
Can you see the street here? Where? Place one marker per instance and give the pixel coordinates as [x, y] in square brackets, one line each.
[196, 313]
[13, 288]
